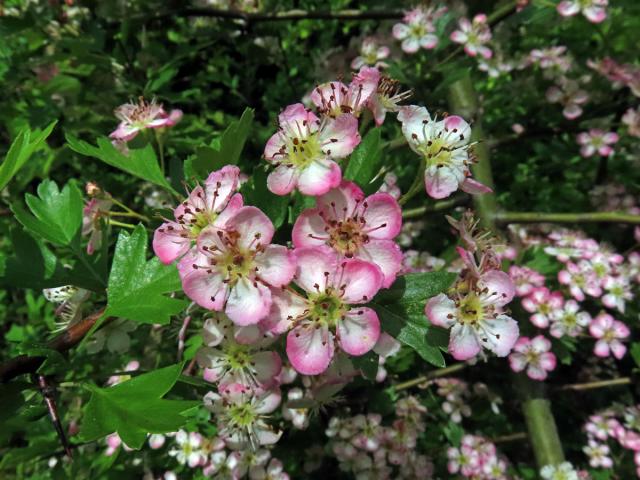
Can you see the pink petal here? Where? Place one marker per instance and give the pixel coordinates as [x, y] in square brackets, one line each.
[440, 310]
[220, 185]
[282, 180]
[236, 202]
[297, 112]
[595, 14]
[517, 361]
[548, 361]
[387, 255]
[253, 226]
[474, 187]
[410, 45]
[429, 41]
[340, 136]
[601, 348]
[285, 306]
[276, 265]
[501, 288]
[534, 372]
[441, 184]
[383, 216]
[386, 346]
[463, 343]
[169, 245]
[273, 148]
[248, 302]
[319, 177]
[340, 202]
[400, 31]
[568, 8]
[458, 37]
[359, 331]
[308, 231]
[206, 289]
[309, 349]
[361, 281]
[268, 366]
[313, 262]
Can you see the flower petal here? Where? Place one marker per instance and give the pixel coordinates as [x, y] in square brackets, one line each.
[309, 349]
[319, 177]
[359, 331]
[248, 302]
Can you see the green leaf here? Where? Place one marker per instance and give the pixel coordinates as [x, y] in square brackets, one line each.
[364, 162]
[135, 408]
[635, 352]
[24, 145]
[137, 286]
[410, 330]
[255, 192]
[57, 215]
[140, 162]
[367, 364]
[414, 289]
[223, 151]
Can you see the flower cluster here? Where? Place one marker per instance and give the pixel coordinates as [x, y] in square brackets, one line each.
[474, 307]
[476, 458]
[619, 424]
[620, 75]
[368, 449]
[371, 55]
[136, 117]
[418, 28]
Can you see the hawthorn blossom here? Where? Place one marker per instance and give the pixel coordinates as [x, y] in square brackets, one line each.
[415, 262]
[444, 147]
[569, 94]
[569, 320]
[232, 269]
[601, 426]
[189, 450]
[135, 117]
[329, 311]
[553, 60]
[594, 10]
[114, 442]
[476, 317]
[156, 441]
[596, 140]
[227, 360]
[371, 54]
[334, 99]
[240, 414]
[542, 304]
[534, 356]
[581, 279]
[631, 119]
[476, 458]
[525, 279]
[417, 29]
[610, 334]
[210, 205]
[625, 74]
[474, 35]
[93, 215]
[385, 347]
[564, 471]
[299, 417]
[304, 149]
[386, 98]
[390, 185]
[354, 226]
[617, 292]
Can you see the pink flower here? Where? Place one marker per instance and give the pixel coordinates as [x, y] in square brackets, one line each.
[444, 147]
[476, 317]
[610, 333]
[329, 311]
[631, 119]
[594, 10]
[227, 360]
[625, 74]
[211, 205]
[386, 98]
[618, 292]
[354, 227]
[596, 140]
[569, 94]
[232, 269]
[553, 59]
[568, 321]
[304, 148]
[598, 454]
[334, 99]
[581, 279]
[474, 35]
[136, 117]
[241, 414]
[371, 55]
[525, 279]
[542, 303]
[534, 355]
[93, 216]
[417, 29]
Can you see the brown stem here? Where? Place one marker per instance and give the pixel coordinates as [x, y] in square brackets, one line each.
[578, 387]
[69, 338]
[442, 372]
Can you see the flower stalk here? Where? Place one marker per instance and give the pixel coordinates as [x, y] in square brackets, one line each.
[588, 217]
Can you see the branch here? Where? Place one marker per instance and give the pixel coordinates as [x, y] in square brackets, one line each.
[589, 217]
[69, 338]
[578, 387]
[435, 207]
[442, 372]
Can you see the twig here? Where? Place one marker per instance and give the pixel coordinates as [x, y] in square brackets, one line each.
[589, 217]
[49, 399]
[579, 387]
[69, 338]
[435, 207]
[442, 372]
[512, 437]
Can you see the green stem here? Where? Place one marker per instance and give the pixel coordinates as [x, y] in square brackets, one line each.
[415, 187]
[442, 372]
[434, 207]
[121, 224]
[160, 144]
[131, 213]
[587, 217]
[541, 425]
[614, 382]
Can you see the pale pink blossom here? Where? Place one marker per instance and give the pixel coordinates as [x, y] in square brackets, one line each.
[444, 147]
[596, 141]
[476, 318]
[631, 119]
[474, 35]
[554, 60]
[232, 269]
[298, 416]
[525, 279]
[620, 75]
[94, 214]
[599, 454]
[594, 10]
[189, 450]
[386, 98]
[581, 279]
[330, 310]
[570, 95]
[417, 29]
[209, 205]
[304, 149]
[570, 320]
[371, 55]
[354, 226]
[533, 355]
[617, 292]
[542, 303]
[334, 99]
[610, 334]
[135, 117]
